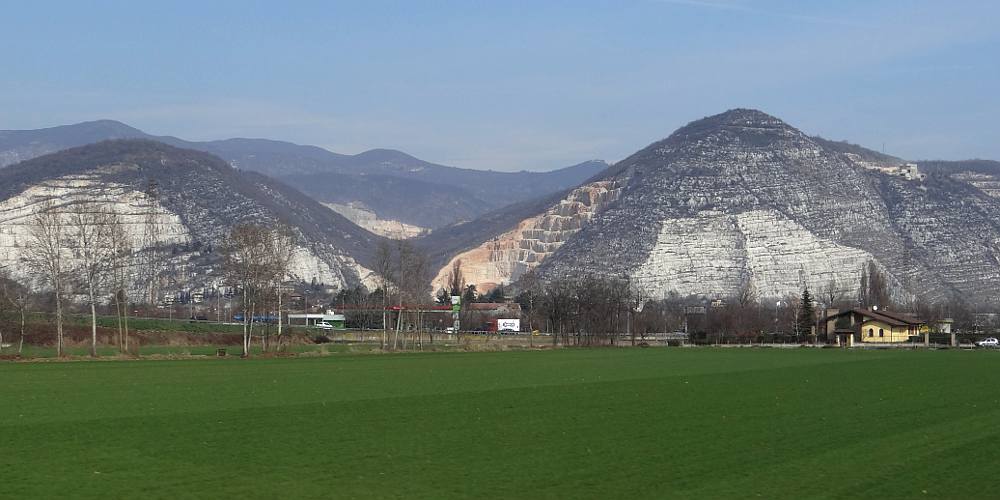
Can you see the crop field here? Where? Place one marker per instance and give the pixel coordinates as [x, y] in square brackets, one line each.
[570, 423]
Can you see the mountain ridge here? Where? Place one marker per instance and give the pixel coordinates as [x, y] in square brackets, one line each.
[299, 165]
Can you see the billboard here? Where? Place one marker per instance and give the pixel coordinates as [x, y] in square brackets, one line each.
[508, 325]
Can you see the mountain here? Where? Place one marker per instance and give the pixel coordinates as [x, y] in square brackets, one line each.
[743, 200]
[20, 145]
[392, 184]
[195, 199]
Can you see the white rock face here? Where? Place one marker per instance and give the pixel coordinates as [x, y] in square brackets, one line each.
[306, 265]
[134, 208]
[715, 254]
[370, 220]
[508, 256]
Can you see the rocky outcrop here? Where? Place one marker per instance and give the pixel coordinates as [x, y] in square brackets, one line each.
[506, 257]
[715, 254]
[368, 219]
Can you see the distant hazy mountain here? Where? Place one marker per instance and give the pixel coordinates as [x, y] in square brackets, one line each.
[391, 183]
[197, 199]
[742, 199]
[20, 145]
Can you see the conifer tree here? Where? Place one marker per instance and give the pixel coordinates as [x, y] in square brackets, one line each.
[806, 315]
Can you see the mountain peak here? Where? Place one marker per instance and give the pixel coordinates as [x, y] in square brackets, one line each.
[740, 125]
[382, 154]
[99, 129]
[739, 117]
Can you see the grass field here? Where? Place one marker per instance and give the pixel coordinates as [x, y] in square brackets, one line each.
[567, 423]
[41, 352]
[161, 324]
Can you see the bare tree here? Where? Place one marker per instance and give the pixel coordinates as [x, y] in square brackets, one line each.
[531, 290]
[151, 264]
[18, 297]
[415, 280]
[557, 304]
[122, 261]
[247, 267]
[282, 251]
[91, 233]
[45, 257]
[832, 294]
[874, 286]
[384, 275]
[404, 256]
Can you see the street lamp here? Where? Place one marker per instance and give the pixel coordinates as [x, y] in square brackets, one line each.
[776, 306]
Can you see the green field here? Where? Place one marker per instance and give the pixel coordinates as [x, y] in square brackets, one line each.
[41, 352]
[161, 324]
[601, 423]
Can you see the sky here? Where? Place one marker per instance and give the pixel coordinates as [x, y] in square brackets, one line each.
[509, 85]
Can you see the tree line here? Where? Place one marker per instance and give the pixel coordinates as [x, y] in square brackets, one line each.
[84, 253]
[82, 249]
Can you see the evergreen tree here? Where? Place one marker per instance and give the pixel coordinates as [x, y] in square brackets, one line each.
[470, 295]
[806, 317]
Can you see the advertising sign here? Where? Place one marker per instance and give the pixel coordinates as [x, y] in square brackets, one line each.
[508, 325]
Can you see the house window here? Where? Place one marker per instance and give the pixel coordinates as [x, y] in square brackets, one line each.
[881, 333]
[871, 332]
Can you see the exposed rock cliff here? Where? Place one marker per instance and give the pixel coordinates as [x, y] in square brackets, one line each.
[506, 257]
[193, 199]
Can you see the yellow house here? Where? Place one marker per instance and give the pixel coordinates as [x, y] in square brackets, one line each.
[871, 326]
[875, 330]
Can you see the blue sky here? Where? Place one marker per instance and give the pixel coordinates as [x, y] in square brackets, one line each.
[509, 85]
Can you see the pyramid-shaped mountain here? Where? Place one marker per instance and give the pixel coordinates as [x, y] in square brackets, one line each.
[742, 199]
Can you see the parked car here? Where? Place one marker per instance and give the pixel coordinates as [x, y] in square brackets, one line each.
[323, 325]
[990, 342]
